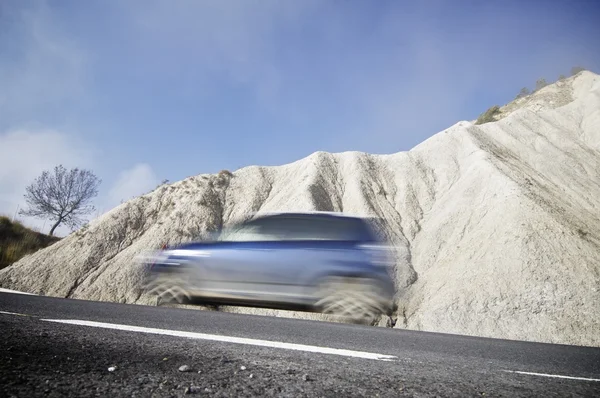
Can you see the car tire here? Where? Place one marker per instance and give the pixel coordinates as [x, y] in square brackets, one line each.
[354, 298]
[169, 290]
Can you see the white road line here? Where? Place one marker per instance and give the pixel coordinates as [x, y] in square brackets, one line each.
[15, 291]
[12, 313]
[228, 339]
[548, 375]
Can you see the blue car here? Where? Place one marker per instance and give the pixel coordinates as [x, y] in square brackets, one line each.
[325, 262]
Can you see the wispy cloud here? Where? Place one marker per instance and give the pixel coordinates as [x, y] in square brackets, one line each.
[26, 153]
[41, 69]
[237, 41]
[42, 72]
[257, 82]
[131, 183]
[385, 73]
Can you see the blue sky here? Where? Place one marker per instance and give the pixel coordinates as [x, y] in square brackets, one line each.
[141, 91]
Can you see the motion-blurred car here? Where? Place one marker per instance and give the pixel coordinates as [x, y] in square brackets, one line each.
[325, 262]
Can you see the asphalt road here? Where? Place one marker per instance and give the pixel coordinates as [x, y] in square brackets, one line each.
[50, 348]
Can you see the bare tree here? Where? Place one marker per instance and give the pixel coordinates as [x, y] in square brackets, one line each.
[62, 196]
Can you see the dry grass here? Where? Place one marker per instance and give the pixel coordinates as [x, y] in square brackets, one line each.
[225, 173]
[16, 241]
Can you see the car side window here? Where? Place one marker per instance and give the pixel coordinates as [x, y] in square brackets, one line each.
[300, 228]
[294, 228]
[251, 231]
[240, 233]
[274, 229]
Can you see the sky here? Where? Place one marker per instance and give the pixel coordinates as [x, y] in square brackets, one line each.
[140, 91]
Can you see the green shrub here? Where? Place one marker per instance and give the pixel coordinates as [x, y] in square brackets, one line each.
[488, 116]
[576, 69]
[540, 84]
[523, 93]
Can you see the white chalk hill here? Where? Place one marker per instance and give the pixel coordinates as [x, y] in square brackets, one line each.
[498, 225]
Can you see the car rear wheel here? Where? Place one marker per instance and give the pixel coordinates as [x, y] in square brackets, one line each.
[358, 299]
[169, 290]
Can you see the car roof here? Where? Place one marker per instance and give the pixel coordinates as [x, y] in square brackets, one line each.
[317, 214]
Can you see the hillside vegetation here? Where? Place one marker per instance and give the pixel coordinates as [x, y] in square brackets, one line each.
[16, 241]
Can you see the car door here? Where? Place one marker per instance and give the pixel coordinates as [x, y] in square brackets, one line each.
[303, 246]
[321, 246]
[243, 266]
[266, 266]
[276, 270]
